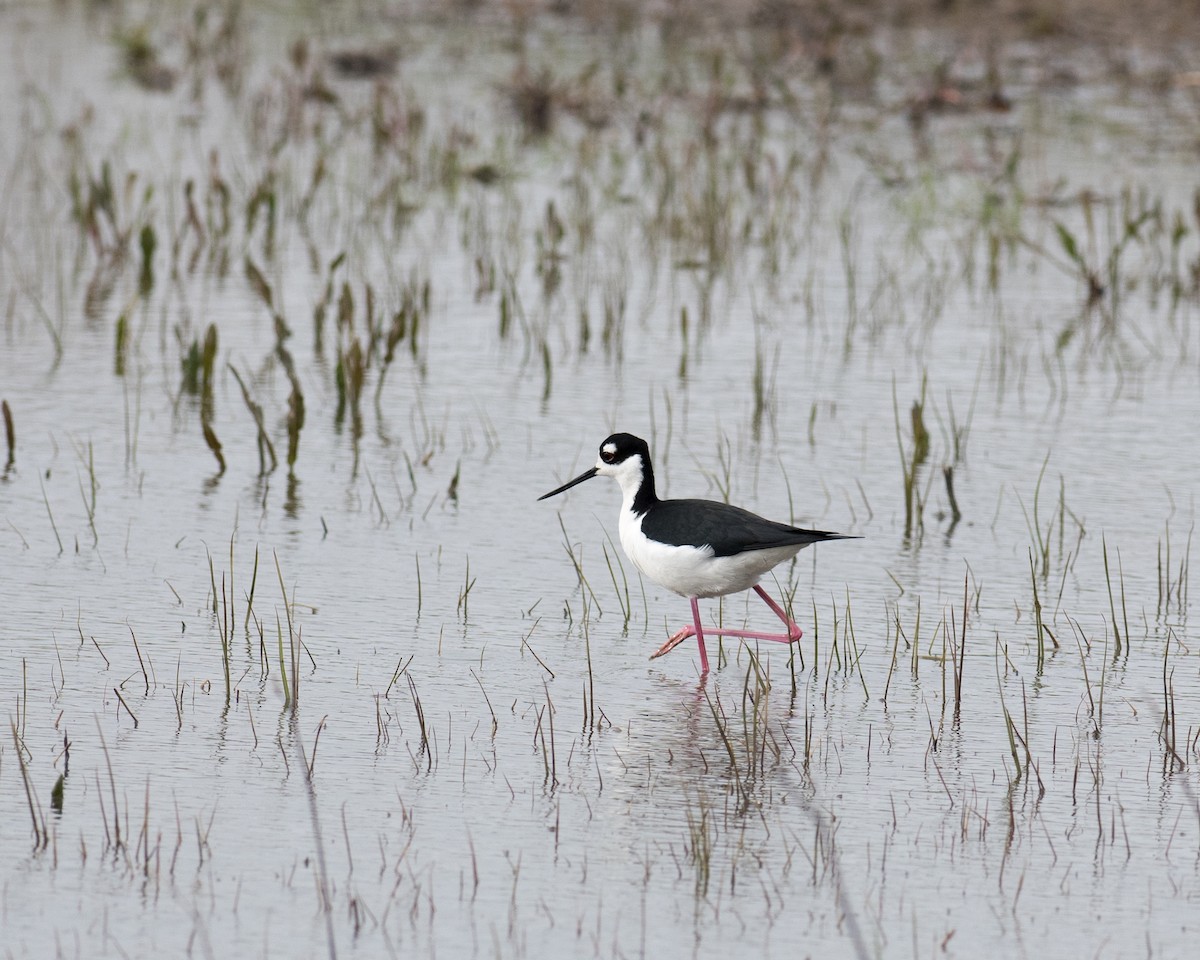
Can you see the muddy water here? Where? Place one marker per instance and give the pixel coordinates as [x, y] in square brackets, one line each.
[476, 788]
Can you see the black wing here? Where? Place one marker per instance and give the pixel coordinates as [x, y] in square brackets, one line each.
[728, 530]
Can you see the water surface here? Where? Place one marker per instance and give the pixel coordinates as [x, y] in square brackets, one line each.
[763, 292]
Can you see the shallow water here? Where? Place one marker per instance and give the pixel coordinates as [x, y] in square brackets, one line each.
[477, 789]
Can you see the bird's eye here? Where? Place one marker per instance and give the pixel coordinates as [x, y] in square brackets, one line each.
[607, 455]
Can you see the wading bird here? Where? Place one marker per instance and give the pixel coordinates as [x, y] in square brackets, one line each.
[696, 548]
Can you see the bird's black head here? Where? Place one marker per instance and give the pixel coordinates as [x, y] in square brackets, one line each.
[627, 459]
[619, 447]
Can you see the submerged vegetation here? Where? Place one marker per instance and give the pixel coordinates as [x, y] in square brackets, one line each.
[337, 290]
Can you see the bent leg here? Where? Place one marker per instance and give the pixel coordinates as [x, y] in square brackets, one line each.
[793, 634]
[794, 631]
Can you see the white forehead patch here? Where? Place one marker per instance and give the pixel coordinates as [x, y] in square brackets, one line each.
[609, 448]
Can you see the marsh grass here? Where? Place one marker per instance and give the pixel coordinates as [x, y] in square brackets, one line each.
[1095, 706]
[1173, 582]
[464, 594]
[121, 347]
[427, 745]
[701, 839]
[1044, 537]
[588, 596]
[289, 653]
[1100, 274]
[199, 378]
[1042, 631]
[10, 436]
[1112, 604]
[1169, 730]
[263, 439]
[911, 461]
[50, 514]
[41, 836]
[224, 616]
[621, 589]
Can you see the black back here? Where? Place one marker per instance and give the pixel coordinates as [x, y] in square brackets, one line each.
[697, 523]
[728, 530]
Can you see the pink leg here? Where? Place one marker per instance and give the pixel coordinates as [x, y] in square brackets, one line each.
[700, 636]
[794, 632]
[693, 629]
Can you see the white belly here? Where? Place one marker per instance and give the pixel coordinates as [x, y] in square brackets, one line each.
[694, 571]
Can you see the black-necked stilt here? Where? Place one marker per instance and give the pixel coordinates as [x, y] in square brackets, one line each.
[696, 548]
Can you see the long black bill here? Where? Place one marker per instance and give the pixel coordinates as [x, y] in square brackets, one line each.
[587, 475]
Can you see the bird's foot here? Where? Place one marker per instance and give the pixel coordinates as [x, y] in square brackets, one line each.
[675, 640]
